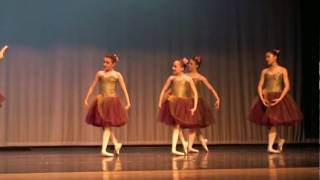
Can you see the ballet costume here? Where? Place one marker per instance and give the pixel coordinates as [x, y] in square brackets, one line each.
[286, 112]
[107, 109]
[204, 115]
[176, 108]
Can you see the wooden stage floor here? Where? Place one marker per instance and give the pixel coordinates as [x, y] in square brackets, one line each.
[222, 162]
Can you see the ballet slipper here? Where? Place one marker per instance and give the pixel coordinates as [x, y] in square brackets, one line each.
[280, 144]
[192, 150]
[204, 143]
[273, 151]
[117, 148]
[185, 147]
[107, 154]
[177, 153]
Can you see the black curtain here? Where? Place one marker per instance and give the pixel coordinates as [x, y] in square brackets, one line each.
[310, 67]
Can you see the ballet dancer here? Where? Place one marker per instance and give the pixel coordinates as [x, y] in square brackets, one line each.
[204, 108]
[107, 111]
[275, 106]
[178, 109]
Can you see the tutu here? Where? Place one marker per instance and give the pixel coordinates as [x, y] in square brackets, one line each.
[177, 111]
[107, 112]
[1, 99]
[204, 114]
[286, 112]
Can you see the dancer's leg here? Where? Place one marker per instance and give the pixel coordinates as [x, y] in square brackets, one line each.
[105, 141]
[117, 145]
[271, 138]
[203, 140]
[175, 135]
[183, 141]
[192, 136]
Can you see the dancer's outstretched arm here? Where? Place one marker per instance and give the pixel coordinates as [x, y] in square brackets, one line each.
[124, 89]
[212, 90]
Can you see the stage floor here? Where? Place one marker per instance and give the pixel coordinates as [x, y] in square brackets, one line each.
[245, 161]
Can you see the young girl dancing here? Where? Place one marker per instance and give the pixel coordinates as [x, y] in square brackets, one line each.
[178, 109]
[204, 109]
[107, 111]
[275, 106]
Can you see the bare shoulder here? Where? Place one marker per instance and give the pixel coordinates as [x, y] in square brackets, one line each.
[117, 74]
[196, 76]
[99, 73]
[283, 69]
[170, 78]
[188, 74]
[188, 78]
[265, 70]
[202, 77]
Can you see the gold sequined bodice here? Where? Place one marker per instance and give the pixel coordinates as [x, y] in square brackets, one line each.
[107, 85]
[179, 88]
[273, 82]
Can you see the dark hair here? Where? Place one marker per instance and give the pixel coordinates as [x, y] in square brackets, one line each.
[114, 58]
[274, 52]
[197, 60]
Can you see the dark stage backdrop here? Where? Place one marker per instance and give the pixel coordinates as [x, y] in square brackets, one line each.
[57, 47]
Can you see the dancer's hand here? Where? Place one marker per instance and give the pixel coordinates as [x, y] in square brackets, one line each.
[275, 102]
[192, 111]
[217, 104]
[160, 105]
[128, 107]
[265, 103]
[86, 104]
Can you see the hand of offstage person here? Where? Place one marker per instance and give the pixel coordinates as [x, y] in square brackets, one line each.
[3, 51]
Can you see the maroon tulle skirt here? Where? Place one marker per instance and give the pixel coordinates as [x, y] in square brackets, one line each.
[107, 112]
[177, 111]
[286, 112]
[1, 99]
[204, 114]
